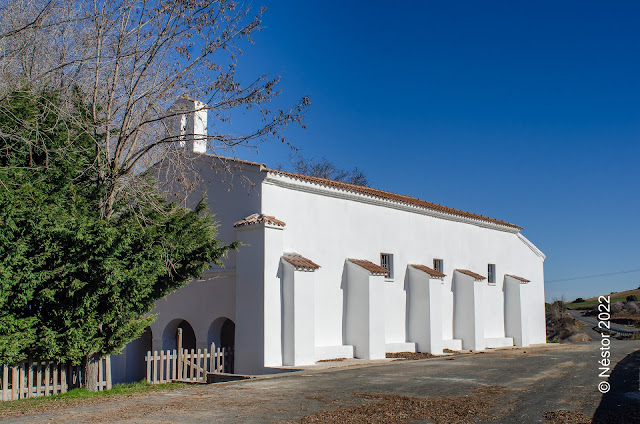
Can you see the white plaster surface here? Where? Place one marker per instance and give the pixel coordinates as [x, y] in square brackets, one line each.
[298, 317]
[424, 311]
[400, 347]
[333, 352]
[365, 313]
[516, 323]
[189, 122]
[352, 313]
[498, 342]
[452, 344]
[468, 313]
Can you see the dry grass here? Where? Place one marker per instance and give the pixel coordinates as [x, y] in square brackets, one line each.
[396, 409]
[332, 360]
[589, 303]
[561, 327]
[619, 295]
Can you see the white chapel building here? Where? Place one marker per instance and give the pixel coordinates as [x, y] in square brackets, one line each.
[334, 270]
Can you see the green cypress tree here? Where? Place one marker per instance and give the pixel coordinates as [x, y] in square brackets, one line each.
[75, 286]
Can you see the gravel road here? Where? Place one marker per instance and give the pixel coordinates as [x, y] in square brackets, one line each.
[593, 321]
[554, 383]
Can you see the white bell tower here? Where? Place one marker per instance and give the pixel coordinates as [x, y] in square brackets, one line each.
[188, 122]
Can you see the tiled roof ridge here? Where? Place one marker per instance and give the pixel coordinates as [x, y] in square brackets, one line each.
[472, 274]
[259, 219]
[369, 266]
[374, 192]
[394, 196]
[432, 272]
[524, 280]
[300, 261]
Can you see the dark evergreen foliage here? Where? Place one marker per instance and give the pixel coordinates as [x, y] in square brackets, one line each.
[74, 285]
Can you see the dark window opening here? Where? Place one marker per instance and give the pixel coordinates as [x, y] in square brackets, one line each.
[438, 265]
[491, 271]
[386, 262]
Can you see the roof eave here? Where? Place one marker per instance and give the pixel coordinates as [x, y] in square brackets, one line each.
[297, 182]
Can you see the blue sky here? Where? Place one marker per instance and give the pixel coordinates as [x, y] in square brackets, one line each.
[523, 111]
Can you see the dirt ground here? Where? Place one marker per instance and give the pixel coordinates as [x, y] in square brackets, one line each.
[549, 384]
[410, 355]
[396, 409]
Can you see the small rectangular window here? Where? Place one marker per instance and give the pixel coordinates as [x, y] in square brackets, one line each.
[491, 273]
[386, 262]
[438, 265]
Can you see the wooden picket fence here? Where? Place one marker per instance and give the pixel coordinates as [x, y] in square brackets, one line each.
[44, 378]
[185, 365]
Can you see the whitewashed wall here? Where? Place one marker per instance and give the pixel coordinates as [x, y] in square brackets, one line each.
[365, 312]
[199, 303]
[424, 311]
[298, 314]
[233, 192]
[327, 228]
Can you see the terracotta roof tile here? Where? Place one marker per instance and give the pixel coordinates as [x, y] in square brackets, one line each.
[471, 274]
[369, 266]
[300, 262]
[524, 280]
[432, 272]
[259, 219]
[395, 197]
[376, 193]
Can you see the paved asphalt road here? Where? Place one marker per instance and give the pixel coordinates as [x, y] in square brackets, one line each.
[533, 382]
[593, 321]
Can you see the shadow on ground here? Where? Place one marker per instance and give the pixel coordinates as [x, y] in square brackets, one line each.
[621, 404]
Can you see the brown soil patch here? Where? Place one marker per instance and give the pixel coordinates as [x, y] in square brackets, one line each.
[419, 355]
[332, 360]
[396, 409]
[564, 416]
[410, 355]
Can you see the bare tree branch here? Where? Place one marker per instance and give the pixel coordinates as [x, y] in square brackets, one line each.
[129, 61]
[323, 168]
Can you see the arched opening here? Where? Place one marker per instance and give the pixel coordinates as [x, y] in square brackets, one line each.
[222, 333]
[170, 335]
[136, 351]
[227, 342]
[228, 334]
[188, 335]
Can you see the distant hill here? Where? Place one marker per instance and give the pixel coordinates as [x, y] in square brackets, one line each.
[615, 297]
[619, 296]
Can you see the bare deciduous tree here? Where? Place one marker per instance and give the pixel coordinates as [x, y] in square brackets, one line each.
[323, 168]
[127, 61]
